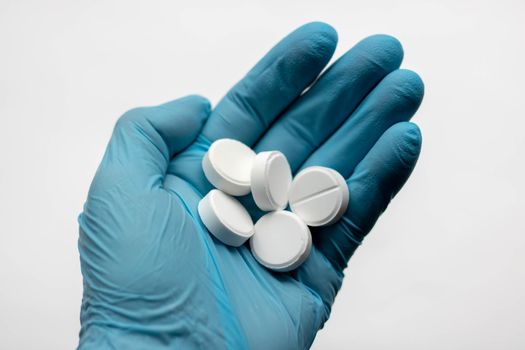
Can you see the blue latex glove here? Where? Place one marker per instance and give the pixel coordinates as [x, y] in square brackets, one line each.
[153, 275]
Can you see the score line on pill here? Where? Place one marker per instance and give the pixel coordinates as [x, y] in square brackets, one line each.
[226, 218]
[271, 177]
[227, 165]
[319, 196]
[281, 241]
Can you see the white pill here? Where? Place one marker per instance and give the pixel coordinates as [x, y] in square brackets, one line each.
[281, 241]
[227, 165]
[319, 196]
[226, 218]
[270, 180]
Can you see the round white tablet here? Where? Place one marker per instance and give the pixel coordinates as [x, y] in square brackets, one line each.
[226, 218]
[281, 241]
[270, 180]
[319, 196]
[228, 165]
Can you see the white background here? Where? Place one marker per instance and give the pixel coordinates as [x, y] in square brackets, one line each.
[444, 267]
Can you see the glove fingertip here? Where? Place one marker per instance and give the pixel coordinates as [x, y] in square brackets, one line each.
[406, 137]
[412, 141]
[391, 48]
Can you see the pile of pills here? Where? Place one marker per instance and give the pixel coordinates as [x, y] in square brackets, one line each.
[280, 240]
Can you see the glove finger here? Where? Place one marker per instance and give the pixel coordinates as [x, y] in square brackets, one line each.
[376, 180]
[273, 83]
[145, 139]
[329, 102]
[395, 99]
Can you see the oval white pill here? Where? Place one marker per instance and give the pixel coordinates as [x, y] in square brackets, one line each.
[227, 165]
[226, 218]
[281, 241]
[319, 196]
[270, 180]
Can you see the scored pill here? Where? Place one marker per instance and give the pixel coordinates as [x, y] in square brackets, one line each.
[319, 196]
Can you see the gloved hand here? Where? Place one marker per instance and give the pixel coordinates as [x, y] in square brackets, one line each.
[153, 275]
